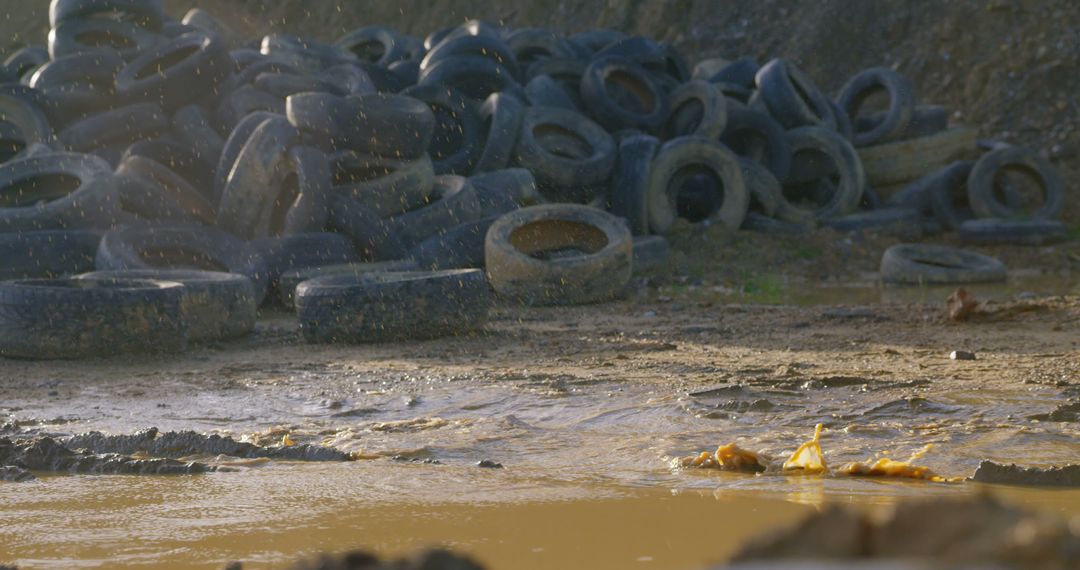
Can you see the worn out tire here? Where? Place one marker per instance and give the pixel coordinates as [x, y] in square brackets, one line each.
[289, 280]
[247, 206]
[991, 231]
[215, 306]
[381, 307]
[503, 114]
[598, 271]
[56, 191]
[686, 152]
[980, 184]
[902, 161]
[917, 264]
[47, 254]
[632, 181]
[70, 319]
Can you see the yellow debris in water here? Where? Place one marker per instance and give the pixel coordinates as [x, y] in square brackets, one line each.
[728, 457]
[287, 441]
[808, 458]
[886, 467]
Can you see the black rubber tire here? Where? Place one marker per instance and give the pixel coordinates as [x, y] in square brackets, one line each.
[303, 53]
[759, 137]
[215, 305]
[309, 169]
[385, 125]
[503, 191]
[559, 254]
[992, 231]
[926, 120]
[918, 264]
[596, 39]
[980, 184]
[903, 161]
[234, 143]
[181, 247]
[176, 72]
[503, 115]
[474, 76]
[74, 86]
[146, 13]
[124, 125]
[282, 85]
[742, 72]
[903, 222]
[651, 253]
[25, 61]
[458, 139]
[570, 173]
[375, 44]
[382, 307]
[460, 247]
[453, 201]
[490, 47]
[182, 201]
[756, 222]
[252, 202]
[382, 187]
[47, 254]
[69, 319]
[178, 158]
[901, 103]
[208, 23]
[544, 91]
[669, 171]
[696, 108]
[408, 71]
[298, 251]
[20, 107]
[639, 104]
[847, 194]
[942, 188]
[765, 190]
[265, 64]
[533, 44]
[567, 73]
[792, 98]
[646, 52]
[126, 38]
[242, 103]
[631, 181]
[289, 280]
[191, 125]
[56, 191]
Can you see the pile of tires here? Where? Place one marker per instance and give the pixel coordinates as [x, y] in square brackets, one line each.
[388, 187]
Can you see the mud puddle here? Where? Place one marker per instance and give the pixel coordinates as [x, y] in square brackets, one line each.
[507, 519]
[586, 408]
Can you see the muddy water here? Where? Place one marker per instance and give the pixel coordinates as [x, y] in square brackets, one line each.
[588, 452]
[587, 478]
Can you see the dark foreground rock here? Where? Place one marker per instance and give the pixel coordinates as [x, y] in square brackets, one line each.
[990, 472]
[175, 444]
[46, 454]
[359, 560]
[12, 473]
[936, 533]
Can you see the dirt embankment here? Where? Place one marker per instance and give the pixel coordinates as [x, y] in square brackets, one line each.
[1011, 67]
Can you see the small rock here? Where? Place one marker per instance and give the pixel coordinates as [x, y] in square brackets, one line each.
[649, 314]
[488, 464]
[961, 355]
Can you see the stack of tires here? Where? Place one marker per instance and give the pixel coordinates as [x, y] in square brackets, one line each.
[386, 186]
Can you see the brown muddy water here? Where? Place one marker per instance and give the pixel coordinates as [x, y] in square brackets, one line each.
[586, 408]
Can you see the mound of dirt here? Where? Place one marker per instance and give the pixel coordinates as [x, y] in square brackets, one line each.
[1010, 67]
